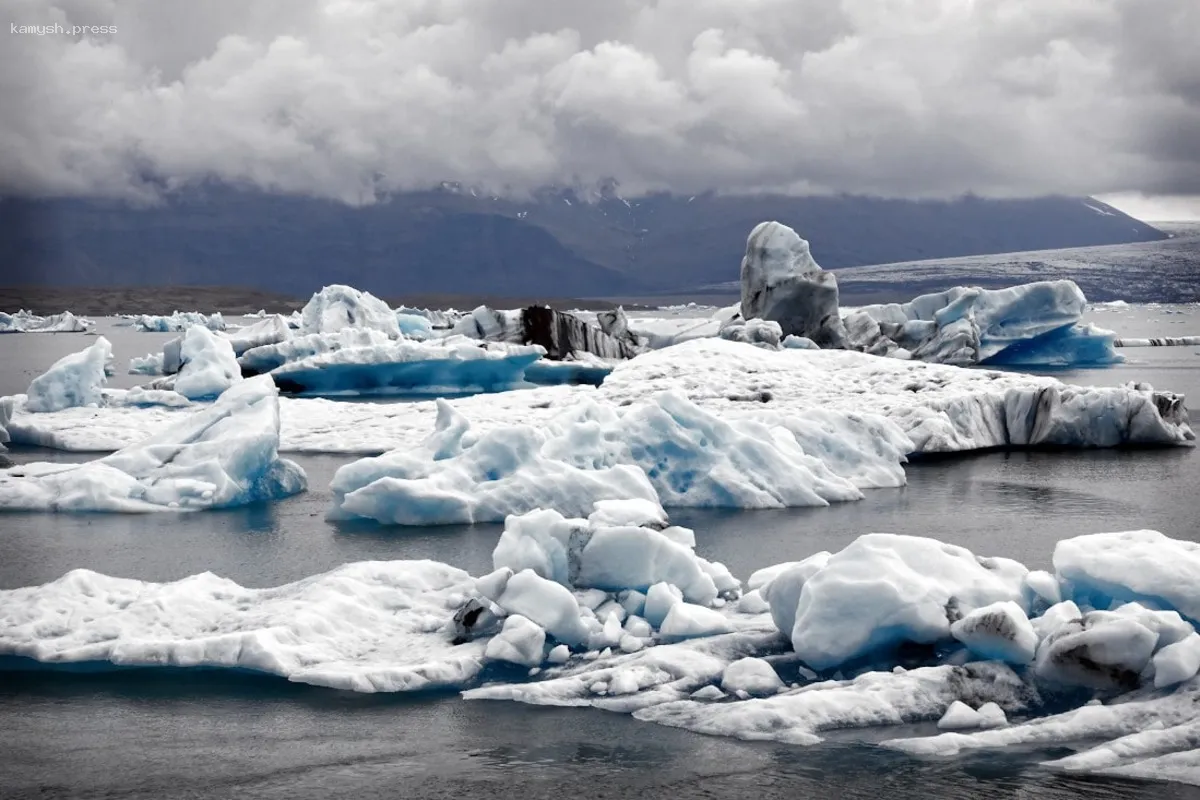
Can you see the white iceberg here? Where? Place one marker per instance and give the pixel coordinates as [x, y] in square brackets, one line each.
[28, 322]
[223, 455]
[336, 307]
[459, 476]
[149, 364]
[207, 365]
[74, 380]
[365, 627]
[999, 631]
[178, 321]
[1131, 566]
[666, 450]
[267, 357]
[882, 590]
[941, 408]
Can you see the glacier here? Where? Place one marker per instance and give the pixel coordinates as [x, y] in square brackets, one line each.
[223, 455]
[617, 611]
[28, 322]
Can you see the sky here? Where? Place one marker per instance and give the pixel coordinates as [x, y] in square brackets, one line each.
[352, 99]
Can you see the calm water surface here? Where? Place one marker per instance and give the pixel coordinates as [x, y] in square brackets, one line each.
[208, 734]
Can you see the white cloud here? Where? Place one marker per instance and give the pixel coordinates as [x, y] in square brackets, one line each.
[343, 98]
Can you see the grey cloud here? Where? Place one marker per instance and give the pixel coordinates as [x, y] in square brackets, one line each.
[348, 98]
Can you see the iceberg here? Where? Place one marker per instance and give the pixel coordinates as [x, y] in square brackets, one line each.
[451, 365]
[458, 476]
[74, 380]
[365, 627]
[1034, 324]
[220, 456]
[336, 307]
[884, 590]
[782, 283]
[6, 412]
[28, 322]
[207, 365]
[267, 357]
[667, 450]
[561, 334]
[149, 364]
[178, 321]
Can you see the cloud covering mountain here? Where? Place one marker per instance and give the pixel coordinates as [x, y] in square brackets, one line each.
[353, 99]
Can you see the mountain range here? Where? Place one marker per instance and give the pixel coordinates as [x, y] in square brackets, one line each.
[455, 239]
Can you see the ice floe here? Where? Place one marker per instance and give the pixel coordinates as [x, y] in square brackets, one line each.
[225, 454]
[28, 322]
[177, 321]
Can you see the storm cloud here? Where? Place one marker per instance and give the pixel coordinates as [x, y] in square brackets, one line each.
[351, 99]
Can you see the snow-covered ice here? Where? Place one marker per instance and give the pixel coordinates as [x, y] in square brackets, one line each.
[28, 322]
[267, 330]
[73, 381]
[223, 455]
[374, 626]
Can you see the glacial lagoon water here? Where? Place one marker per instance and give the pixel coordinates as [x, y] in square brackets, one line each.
[210, 734]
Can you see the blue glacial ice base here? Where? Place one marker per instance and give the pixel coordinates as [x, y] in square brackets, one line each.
[224, 455]
[618, 612]
[1034, 324]
[450, 366]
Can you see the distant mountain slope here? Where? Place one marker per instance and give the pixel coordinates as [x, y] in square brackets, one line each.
[456, 240]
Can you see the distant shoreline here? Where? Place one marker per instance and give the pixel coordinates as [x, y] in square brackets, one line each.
[233, 300]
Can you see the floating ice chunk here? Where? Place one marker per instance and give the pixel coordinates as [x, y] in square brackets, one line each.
[453, 365]
[688, 621]
[28, 322]
[1055, 617]
[638, 513]
[884, 589]
[1099, 651]
[751, 675]
[178, 321]
[991, 715]
[269, 330]
[753, 602]
[875, 698]
[762, 578]
[1035, 324]
[73, 380]
[6, 412]
[596, 555]
[1043, 590]
[781, 282]
[520, 641]
[960, 716]
[559, 654]
[660, 599]
[336, 307]
[1143, 566]
[373, 626]
[1177, 662]
[998, 631]
[708, 693]
[208, 366]
[149, 364]
[549, 604]
[141, 397]
[220, 456]
[460, 477]
[782, 591]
